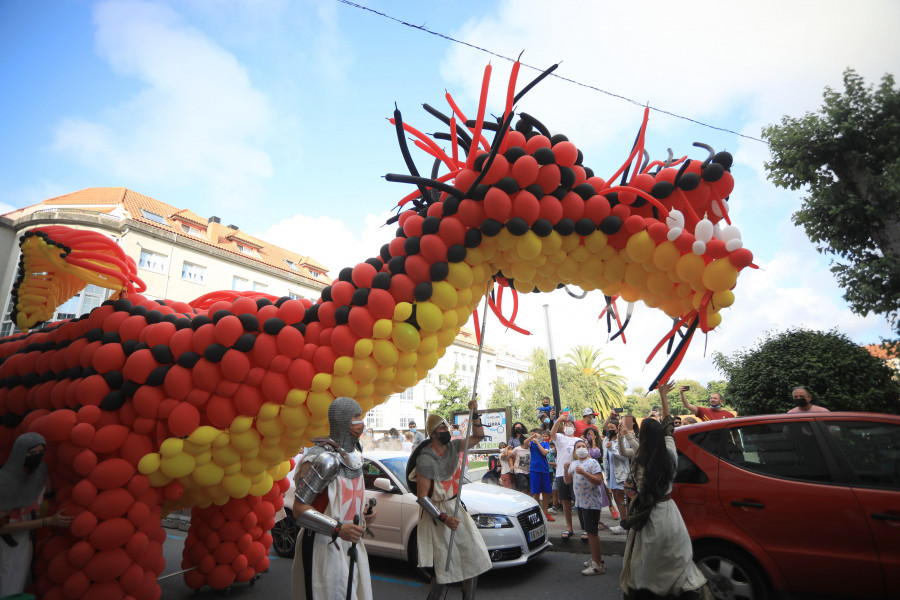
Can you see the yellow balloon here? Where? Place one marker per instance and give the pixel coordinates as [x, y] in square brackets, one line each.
[444, 295]
[386, 374]
[342, 366]
[665, 256]
[551, 244]
[261, 487]
[149, 463]
[295, 397]
[366, 389]
[451, 319]
[713, 320]
[246, 440]
[580, 254]
[237, 485]
[385, 353]
[595, 242]
[208, 475]
[428, 316]
[320, 383]
[529, 245]
[460, 274]
[630, 293]
[640, 246]
[659, 283]
[343, 386]
[523, 270]
[722, 299]
[241, 423]
[318, 403]
[402, 311]
[614, 269]
[406, 377]
[362, 348]
[365, 369]
[405, 336]
[204, 435]
[295, 417]
[268, 410]
[177, 466]
[171, 447]
[720, 275]
[464, 297]
[636, 276]
[270, 427]
[226, 455]
[570, 242]
[690, 267]
[383, 328]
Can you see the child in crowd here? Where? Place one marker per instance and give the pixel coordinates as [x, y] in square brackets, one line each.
[584, 474]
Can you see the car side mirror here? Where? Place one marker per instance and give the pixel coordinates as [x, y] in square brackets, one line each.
[384, 484]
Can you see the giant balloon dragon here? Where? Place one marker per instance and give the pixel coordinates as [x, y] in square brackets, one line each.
[150, 406]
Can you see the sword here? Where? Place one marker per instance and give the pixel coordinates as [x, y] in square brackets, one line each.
[465, 465]
[354, 555]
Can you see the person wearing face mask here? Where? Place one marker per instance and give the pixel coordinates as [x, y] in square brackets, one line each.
[563, 435]
[588, 417]
[433, 474]
[803, 399]
[583, 473]
[518, 434]
[616, 467]
[418, 436]
[713, 413]
[23, 484]
[329, 507]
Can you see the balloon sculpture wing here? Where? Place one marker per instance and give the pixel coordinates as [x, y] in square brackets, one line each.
[58, 262]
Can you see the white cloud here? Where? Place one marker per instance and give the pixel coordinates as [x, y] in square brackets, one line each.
[197, 117]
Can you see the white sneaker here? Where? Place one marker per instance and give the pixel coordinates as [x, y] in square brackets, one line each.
[617, 529]
[551, 510]
[593, 568]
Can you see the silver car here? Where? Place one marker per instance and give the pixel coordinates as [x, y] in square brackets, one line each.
[510, 522]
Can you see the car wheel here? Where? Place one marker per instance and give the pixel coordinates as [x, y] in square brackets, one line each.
[284, 537]
[730, 573]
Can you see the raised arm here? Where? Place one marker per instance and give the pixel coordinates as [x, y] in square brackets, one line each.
[477, 426]
[664, 389]
[693, 409]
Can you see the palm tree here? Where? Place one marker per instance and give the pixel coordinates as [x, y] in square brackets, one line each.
[610, 384]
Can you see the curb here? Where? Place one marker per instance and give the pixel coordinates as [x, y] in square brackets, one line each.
[609, 546]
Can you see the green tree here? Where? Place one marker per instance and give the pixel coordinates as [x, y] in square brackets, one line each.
[609, 383]
[847, 156]
[454, 396]
[502, 395]
[841, 375]
[637, 402]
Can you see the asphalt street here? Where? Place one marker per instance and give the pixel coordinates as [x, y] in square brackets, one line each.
[549, 575]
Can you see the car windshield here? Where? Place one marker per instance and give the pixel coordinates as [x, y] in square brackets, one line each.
[397, 467]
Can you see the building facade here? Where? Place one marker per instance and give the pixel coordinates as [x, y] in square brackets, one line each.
[180, 255]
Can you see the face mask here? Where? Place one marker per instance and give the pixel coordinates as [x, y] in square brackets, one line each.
[444, 437]
[546, 421]
[800, 401]
[33, 461]
[715, 407]
[581, 453]
[611, 433]
[570, 431]
[589, 421]
[413, 429]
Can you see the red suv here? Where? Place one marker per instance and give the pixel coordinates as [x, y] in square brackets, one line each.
[807, 505]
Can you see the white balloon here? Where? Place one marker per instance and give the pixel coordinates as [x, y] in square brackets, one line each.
[730, 232]
[675, 219]
[699, 247]
[703, 231]
[674, 234]
[732, 245]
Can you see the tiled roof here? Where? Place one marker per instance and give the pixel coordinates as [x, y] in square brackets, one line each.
[215, 234]
[879, 352]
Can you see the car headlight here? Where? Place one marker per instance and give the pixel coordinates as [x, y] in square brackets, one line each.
[485, 521]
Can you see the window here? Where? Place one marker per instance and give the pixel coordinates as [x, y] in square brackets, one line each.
[239, 283]
[190, 230]
[788, 450]
[291, 264]
[152, 216]
[404, 422]
[406, 394]
[371, 472]
[872, 450]
[375, 418]
[193, 273]
[152, 261]
[314, 274]
[294, 296]
[259, 287]
[244, 249]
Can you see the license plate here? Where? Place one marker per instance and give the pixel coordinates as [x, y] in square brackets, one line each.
[536, 533]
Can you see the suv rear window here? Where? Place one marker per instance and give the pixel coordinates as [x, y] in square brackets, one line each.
[789, 450]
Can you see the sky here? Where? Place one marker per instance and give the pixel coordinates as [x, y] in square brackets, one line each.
[272, 114]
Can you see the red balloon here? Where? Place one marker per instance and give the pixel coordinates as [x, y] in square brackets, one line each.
[401, 289]
[290, 342]
[572, 206]
[248, 400]
[138, 515]
[381, 303]
[131, 579]
[220, 577]
[396, 246]
[109, 357]
[236, 365]
[110, 504]
[159, 333]
[83, 524]
[326, 312]
[497, 205]
[464, 180]
[433, 248]
[291, 312]
[82, 434]
[452, 231]
[84, 492]
[220, 411]
[85, 462]
[80, 554]
[417, 268]
[138, 366]
[114, 321]
[111, 534]
[173, 491]
[275, 387]
[342, 293]
[228, 330]
[684, 242]
[108, 565]
[112, 473]
[76, 586]
[549, 178]
[526, 206]
[181, 341]
[412, 225]
[551, 209]
[324, 360]
[634, 224]
[362, 275]
[566, 153]
[361, 322]
[265, 348]
[244, 305]
[498, 170]
[301, 373]
[57, 426]
[741, 258]
[535, 142]
[109, 438]
[471, 213]
[658, 231]
[203, 337]
[184, 419]
[716, 249]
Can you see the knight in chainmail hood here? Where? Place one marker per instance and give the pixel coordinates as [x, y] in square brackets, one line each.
[19, 486]
[434, 472]
[22, 482]
[329, 495]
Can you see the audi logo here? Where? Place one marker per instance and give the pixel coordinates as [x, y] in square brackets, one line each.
[534, 519]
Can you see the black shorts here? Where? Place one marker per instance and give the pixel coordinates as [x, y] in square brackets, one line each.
[590, 518]
[523, 482]
[565, 489]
